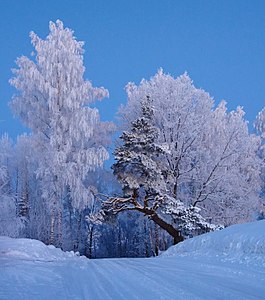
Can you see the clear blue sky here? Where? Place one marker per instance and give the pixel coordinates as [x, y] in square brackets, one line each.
[221, 44]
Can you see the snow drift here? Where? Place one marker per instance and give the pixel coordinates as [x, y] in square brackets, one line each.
[33, 250]
[244, 243]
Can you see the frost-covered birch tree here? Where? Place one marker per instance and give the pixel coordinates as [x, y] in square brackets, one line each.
[54, 101]
[259, 125]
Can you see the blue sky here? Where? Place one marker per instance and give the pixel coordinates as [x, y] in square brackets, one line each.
[221, 44]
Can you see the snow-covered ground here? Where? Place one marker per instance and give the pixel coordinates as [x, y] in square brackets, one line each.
[229, 264]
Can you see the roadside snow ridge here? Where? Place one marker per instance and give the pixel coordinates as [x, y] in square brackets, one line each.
[244, 243]
[28, 249]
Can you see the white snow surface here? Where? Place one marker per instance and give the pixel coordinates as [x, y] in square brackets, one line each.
[243, 243]
[228, 264]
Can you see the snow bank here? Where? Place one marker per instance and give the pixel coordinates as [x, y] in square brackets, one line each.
[244, 243]
[28, 249]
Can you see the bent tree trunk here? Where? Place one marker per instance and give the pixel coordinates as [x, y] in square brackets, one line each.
[177, 237]
[170, 229]
[118, 205]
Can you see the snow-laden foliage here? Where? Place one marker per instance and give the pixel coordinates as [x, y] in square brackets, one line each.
[187, 218]
[22, 165]
[31, 207]
[10, 223]
[53, 101]
[259, 125]
[211, 160]
[137, 160]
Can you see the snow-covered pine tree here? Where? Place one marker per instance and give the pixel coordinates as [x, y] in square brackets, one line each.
[137, 160]
[138, 168]
[54, 102]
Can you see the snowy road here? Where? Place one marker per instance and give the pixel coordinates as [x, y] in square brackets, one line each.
[161, 278]
[176, 279]
[222, 265]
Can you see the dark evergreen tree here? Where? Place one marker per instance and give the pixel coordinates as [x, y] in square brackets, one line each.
[138, 169]
[137, 160]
